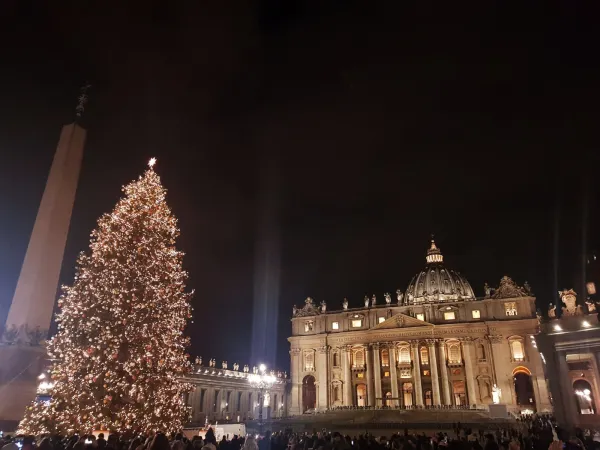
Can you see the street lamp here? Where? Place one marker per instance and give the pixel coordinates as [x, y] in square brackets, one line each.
[263, 382]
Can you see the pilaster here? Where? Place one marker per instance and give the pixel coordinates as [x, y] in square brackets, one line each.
[296, 401]
[347, 353]
[322, 374]
[377, 371]
[370, 385]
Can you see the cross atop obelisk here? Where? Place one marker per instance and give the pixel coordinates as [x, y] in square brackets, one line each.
[30, 314]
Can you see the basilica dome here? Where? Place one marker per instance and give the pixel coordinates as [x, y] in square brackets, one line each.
[436, 283]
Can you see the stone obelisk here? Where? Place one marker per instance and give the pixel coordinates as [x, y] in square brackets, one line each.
[22, 349]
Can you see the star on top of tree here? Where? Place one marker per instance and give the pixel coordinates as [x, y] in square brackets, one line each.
[151, 162]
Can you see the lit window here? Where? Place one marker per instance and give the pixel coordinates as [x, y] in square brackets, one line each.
[404, 355]
[309, 361]
[516, 347]
[426, 373]
[386, 374]
[424, 356]
[385, 357]
[454, 353]
[356, 323]
[476, 314]
[308, 325]
[359, 358]
[335, 325]
[510, 308]
[381, 319]
[449, 315]
[360, 375]
[421, 316]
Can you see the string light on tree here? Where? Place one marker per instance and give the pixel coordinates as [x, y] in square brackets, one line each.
[120, 349]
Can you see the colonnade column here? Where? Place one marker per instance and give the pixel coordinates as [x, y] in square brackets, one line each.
[296, 382]
[370, 391]
[467, 344]
[393, 373]
[323, 374]
[435, 382]
[377, 370]
[417, 373]
[444, 372]
[347, 376]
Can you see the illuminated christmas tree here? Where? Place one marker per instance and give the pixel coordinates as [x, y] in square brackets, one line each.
[120, 350]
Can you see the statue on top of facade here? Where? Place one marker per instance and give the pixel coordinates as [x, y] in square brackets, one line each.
[345, 304]
[294, 310]
[224, 364]
[569, 298]
[388, 298]
[198, 361]
[591, 305]
[399, 296]
[527, 289]
[373, 300]
[212, 362]
[552, 311]
[255, 370]
[487, 289]
[246, 368]
[366, 301]
[236, 366]
[323, 306]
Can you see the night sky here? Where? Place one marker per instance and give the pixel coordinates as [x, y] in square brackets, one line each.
[311, 149]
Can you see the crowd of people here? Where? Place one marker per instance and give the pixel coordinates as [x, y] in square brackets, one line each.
[529, 433]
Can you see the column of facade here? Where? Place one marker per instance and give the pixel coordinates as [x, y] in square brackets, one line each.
[393, 373]
[435, 382]
[568, 395]
[377, 371]
[467, 345]
[295, 403]
[347, 351]
[417, 373]
[322, 374]
[444, 373]
[501, 354]
[370, 386]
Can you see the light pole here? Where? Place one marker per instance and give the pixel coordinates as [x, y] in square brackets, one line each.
[261, 381]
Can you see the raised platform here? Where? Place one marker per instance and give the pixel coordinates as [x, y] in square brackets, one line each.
[392, 419]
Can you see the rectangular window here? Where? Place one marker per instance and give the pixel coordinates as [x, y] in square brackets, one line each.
[360, 375]
[381, 319]
[421, 316]
[309, 325]
[426, 373]
[356, 323]
[476, 314]
[335, 325]
[449, 315]
[386, 374]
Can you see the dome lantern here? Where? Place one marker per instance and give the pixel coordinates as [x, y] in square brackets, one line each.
[434, 255]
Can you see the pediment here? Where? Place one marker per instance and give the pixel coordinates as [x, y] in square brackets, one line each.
[402, 321]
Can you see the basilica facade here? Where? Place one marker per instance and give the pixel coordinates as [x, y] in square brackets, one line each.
[435, 345]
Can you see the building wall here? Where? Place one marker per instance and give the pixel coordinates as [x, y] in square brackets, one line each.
[226, 395]
[390, 353]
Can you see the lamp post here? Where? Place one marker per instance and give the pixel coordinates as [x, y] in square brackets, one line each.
[263, 382]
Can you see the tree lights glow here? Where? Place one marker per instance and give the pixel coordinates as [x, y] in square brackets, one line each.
[120, 350]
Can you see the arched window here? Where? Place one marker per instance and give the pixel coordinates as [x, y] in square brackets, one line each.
[480, 351]
[336, 359]
[454, 352]
[359, 357]
[404, 354]
[385, 357]
[517, 350]
[424, 356]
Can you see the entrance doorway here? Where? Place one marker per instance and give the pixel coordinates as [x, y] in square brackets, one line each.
[309, 393]
[361, 395]
[584, 396]
[523, 387]
[458, 391]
